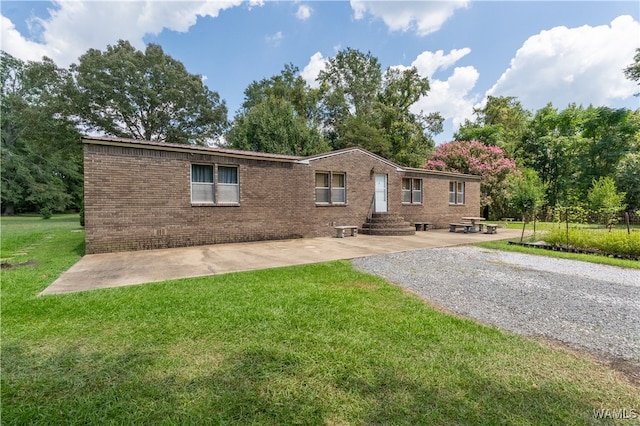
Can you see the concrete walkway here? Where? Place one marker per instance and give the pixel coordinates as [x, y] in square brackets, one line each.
[99, 271]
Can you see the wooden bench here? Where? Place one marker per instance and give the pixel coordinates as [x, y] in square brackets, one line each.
[422, 226]
[341, 229]
[454, 226]
[492, 228]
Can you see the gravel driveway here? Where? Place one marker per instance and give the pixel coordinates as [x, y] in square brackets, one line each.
[583, 305]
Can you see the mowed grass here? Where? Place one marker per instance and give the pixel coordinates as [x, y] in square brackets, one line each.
[317, 344]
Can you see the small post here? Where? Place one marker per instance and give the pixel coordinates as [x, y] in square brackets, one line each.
[626, 219]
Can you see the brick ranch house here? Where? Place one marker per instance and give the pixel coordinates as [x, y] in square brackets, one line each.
[147, 195]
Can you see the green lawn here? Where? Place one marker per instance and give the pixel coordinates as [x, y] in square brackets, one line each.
[317, 344]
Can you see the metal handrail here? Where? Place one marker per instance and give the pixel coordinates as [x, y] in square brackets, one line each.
[372, 208]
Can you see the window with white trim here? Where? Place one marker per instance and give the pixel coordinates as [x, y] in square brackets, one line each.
[456, 192]
[411, 191]
[214, 184]
[331, 188]
[228, 187]
[202, 187]
[338, 188]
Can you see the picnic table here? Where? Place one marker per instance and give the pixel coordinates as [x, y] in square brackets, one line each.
[475, 221]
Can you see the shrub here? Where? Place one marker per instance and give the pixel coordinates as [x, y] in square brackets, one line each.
[613, 242]
[605, 200]
[46, 213]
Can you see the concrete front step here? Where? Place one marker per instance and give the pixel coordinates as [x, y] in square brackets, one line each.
[383, 225]
[387, 224]
[389, 231]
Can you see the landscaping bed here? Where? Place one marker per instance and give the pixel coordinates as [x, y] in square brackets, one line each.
[573, 249]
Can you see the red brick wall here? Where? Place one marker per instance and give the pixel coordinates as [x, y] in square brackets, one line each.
[435, 205]
[140, 198]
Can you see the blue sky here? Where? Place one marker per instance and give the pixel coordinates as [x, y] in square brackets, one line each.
[537, 51]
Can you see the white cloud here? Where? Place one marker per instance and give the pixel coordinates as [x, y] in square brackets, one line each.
[310, 72]
[427, 63]
[275, 39]
[582, 65]
[451, 98]
[20, 47]
[73, 27]
[304, 12]
[423, 17]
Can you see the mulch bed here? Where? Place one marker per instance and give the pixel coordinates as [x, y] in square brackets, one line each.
[573, 249]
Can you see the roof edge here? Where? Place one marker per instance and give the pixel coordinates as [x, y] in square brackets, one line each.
[443, 173]
[310, 158]
[163, 146]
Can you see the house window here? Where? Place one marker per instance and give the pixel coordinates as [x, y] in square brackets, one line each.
[338, 188]
[331, 188]
[322, 188]
[201, 184]
[211, 186]
[456, 192]
[411, 191]
[228, 188]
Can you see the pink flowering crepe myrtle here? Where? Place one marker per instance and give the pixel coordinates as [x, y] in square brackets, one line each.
[475, 158]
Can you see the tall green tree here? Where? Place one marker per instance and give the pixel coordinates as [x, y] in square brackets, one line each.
[552, 147]
[628, 179]
[272, 125]
[279, 115]
[501, 122]
[41, 153]
[289, 86]
[526, 195]
[147, 95]
[605, 200]
[632, 71]
[409, 134]
[609, 134]
[572, 147]
[366, 107]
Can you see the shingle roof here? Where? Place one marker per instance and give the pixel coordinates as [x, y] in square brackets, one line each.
[105, 140]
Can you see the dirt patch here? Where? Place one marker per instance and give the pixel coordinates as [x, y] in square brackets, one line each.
[629, 368]
[6, 265]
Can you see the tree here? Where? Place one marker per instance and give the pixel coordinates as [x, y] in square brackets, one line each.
[41, 153]
[409, 134]
[146, 95]
[605, 199]
[571, 148]
[273, 126]
[609, 134]
[552, 146]
[473, 157]
[366, 107]
[632, 72]
[290, 86]
[352, 81]
[279, 115]
[628, 179]
[526, 195]
[501, 122]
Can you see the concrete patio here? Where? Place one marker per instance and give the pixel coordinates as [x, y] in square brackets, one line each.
[99, 271]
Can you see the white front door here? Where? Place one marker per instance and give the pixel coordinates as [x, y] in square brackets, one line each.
[381, 193]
